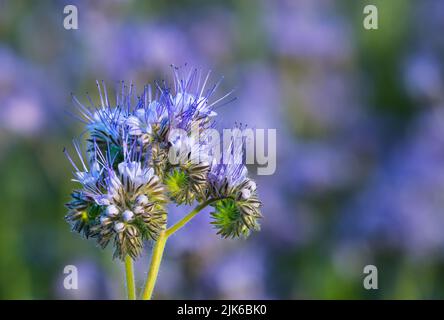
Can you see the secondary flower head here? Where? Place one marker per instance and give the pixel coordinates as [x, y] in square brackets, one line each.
[239, 210]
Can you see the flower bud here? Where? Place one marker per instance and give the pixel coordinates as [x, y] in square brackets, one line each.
[112, 211]
[104, 220]
[127, 215]
[138, 209]
[119, 226]
[246, 193]
[142, 200]
[251, 185]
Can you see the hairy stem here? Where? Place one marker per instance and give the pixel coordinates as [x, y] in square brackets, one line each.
[159, 247]
[129, 270]
[181, 223]
[156, 258]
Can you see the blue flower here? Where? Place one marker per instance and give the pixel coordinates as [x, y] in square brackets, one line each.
[125, 204]
[127, 177]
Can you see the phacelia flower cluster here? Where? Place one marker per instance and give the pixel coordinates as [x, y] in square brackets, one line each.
[125, 174]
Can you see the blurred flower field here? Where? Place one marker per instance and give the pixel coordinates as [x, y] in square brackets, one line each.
[360, 143]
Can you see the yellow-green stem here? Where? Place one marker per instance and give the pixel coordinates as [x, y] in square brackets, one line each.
[156, 258]
[159, 247]
[129, 270]
[188, 217]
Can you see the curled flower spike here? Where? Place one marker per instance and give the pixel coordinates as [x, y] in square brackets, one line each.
[125, 205]
[135, 163]
[239, 211]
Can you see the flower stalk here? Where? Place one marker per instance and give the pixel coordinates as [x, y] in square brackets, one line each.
[181, 223]
[156, 258]
[129, 271]
[159, 247]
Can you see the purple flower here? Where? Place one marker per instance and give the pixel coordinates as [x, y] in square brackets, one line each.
[402, 206]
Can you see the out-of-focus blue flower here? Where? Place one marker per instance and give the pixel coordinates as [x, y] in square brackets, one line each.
[213, 36]
[136, 46]
[423, 76]
[308, 30]
[23, 110]
[238, 275]
[92, 283]
[402, 206]
[429, 12]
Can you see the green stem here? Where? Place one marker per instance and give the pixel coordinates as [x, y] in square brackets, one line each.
[181, 223]
[159, 247]
[130, 287]
[156, 258]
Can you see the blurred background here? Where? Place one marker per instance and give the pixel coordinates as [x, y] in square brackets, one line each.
[360, 143]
